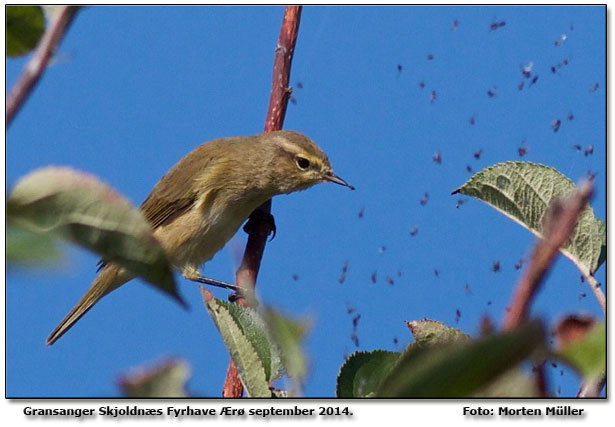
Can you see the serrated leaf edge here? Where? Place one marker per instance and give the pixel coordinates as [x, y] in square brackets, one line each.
[582, 267]
[249, 366]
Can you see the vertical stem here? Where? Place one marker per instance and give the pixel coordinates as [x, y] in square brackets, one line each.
[34, 69]
[594, 285]
[558, 227]
[247, 272]
[592, 388]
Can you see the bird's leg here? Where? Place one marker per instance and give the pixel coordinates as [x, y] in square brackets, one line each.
[193, 274]
[257, 216]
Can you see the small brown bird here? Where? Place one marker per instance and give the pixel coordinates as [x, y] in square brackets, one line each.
[197, 207]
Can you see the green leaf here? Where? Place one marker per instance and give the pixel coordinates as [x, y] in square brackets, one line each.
[510, 384]
[246, 359]
[254, 328]
[588, 354]
[27, 248]
[523, 191]
[76, 206]
[167, 380]
[432, 332]
[602, 230]
[460, 369]
[25, 26]
[362, 373]
[288, 335]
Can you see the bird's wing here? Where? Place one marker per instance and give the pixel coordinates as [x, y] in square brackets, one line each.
[173, 194]
[176, 191]
[161, 207]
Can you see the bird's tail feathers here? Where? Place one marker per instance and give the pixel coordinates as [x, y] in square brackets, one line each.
[110, 278]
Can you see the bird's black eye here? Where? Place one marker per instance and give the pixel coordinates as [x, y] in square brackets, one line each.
[302, 163]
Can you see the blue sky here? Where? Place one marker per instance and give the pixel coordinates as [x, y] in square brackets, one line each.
[136, 88]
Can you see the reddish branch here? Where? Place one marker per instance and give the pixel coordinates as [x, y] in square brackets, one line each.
[259, 227]
[560, 223]
[34, 69]
[592, 388]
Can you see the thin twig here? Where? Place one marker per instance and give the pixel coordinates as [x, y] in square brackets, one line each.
[592, 388]
[594, 285]
[260, 228]
[562, 220]
[34, 69]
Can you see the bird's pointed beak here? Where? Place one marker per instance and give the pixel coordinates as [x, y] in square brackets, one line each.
[329, 176]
